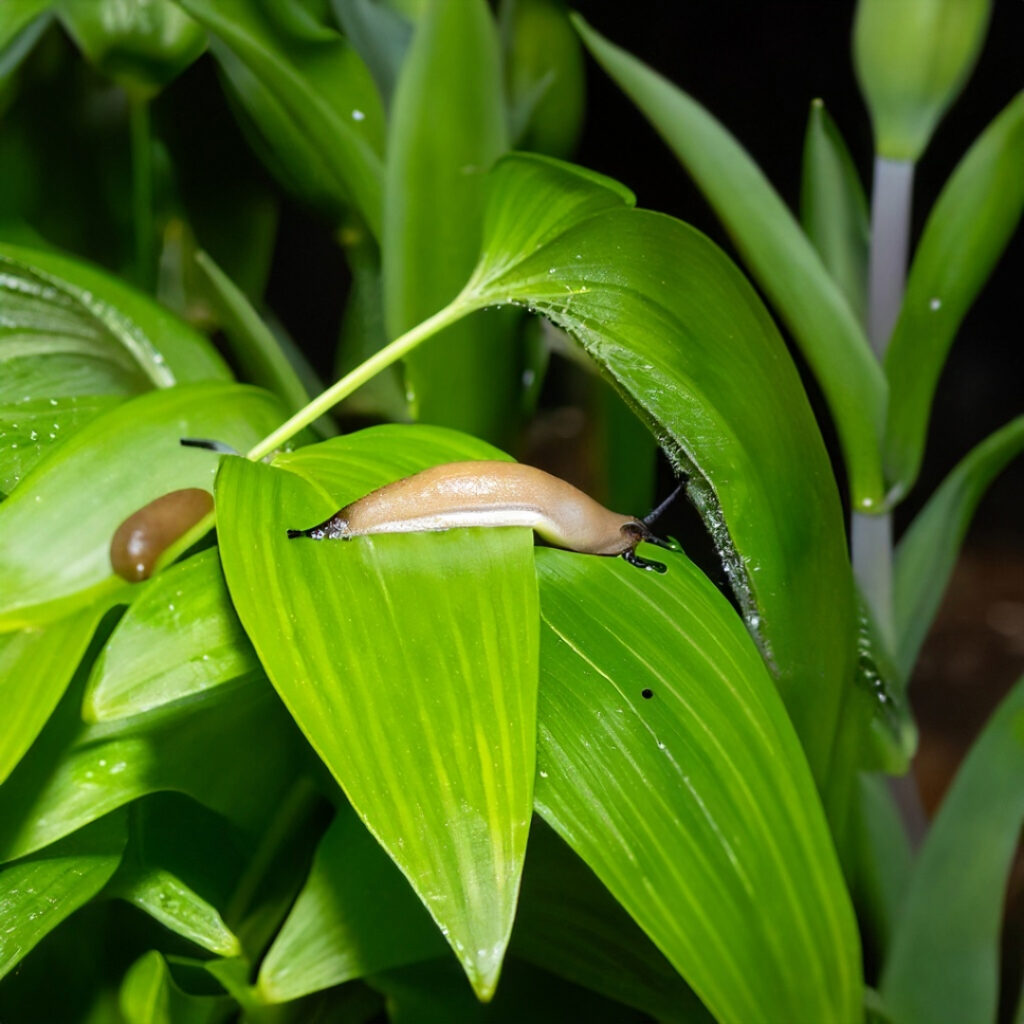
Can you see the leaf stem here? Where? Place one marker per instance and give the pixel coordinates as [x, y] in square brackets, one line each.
[140, 127]
[380, 360]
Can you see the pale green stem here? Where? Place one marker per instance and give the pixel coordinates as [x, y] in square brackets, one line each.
[389, 354]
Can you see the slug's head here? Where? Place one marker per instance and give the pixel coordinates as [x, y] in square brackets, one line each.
[636, 531]
[335, 528]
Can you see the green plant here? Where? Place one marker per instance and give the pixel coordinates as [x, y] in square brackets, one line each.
[315, 768]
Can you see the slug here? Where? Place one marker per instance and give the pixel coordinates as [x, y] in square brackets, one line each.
[460, 494]
[140, 540]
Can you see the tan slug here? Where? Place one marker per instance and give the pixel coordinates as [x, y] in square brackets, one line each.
[140, 540]
[462, 494]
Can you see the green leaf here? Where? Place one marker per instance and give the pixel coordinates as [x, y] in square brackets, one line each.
[143, 45]
[69, 329]
[355, 915]
[149, 995]
[422, 710]
[55, 530]
[311, 99]
[178, 638]
[234, 753]
[544, 76]
[258, 350]
[944, 964]
[36, 666]
[927, 552]
[966, 233]
[37, 893]
[833, 208]
[447, 127]
[912, 59]
[175, 850]
[777, 253]
[682, 334]
[568, 923]
[380, 34]
[30, 430]
[694, 806]
[22, 24]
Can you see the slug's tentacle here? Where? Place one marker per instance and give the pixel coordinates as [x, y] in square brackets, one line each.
[655, 514]
[211, 446]
[644, 563]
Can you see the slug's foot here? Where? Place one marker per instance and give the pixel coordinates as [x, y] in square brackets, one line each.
[643, 563]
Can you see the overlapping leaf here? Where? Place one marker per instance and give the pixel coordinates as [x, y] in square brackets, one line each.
[310, 97]
[665, 759]
[410, 663]
[447, 128]
[944, 963]
[683, 335]
[55, 530]
[779, 256]
[966, 232]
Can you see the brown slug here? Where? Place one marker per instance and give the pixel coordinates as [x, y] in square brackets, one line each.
[140, 540]
[462, 494]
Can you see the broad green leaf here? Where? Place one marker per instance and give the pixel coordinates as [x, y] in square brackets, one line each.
[143, 45]
[37, 893]
[149, 995]
[678, 329]
[927, 552]
[55, 530]
[69, 329]
[569, 924]
[234, 753]
[36, 666]
[356, 915]
[966, 232]
[777, 253]
[912, 58]
[380, 34]
[22, 23]
[544, 76]
[666, 761]
[30, 430]
[179, 637]
[258, 350]
[422, 710]
[833, 208]
[309, 96]
[447, 128]
[944, 963]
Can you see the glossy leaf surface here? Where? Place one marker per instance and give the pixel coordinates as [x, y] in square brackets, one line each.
[381, 34]
[178, 638]
[112, 467]
[944, 963]
[408, 660]
[234, 754]
[37, 893]
[912, 59]
[682, 334]
[833, 208]
[310, 97]
[927, 552]
[36, 666]
[447, 128]
[777, 253]
[694, 805]
[70, 329]
[149, 995]
[966, 232]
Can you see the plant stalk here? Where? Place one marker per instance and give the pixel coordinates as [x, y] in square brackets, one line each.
[141, 130]
[389, 354]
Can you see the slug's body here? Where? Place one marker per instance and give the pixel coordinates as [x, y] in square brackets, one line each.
[140, 540]
[462, 494]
